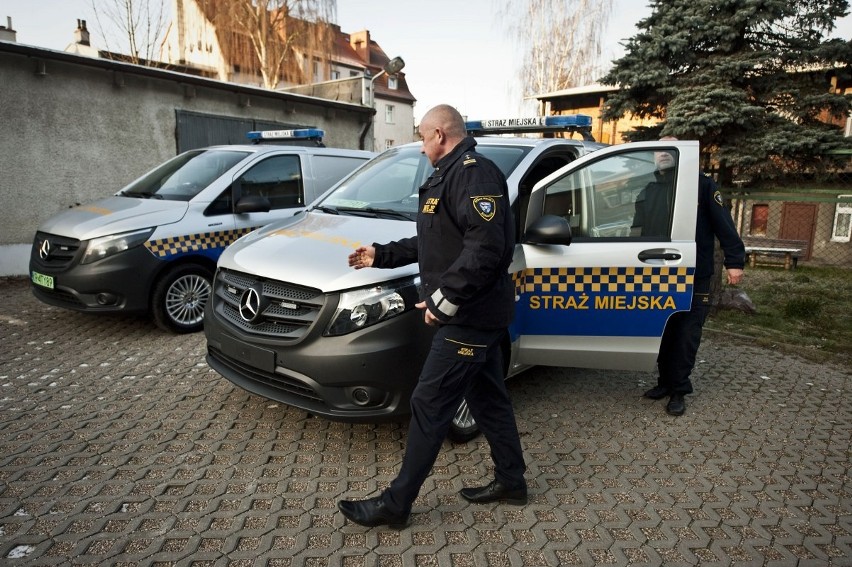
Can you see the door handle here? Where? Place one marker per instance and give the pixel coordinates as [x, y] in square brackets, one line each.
[659, 254]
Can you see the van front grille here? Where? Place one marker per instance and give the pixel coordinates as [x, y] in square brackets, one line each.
[287, 311]
[53, 252]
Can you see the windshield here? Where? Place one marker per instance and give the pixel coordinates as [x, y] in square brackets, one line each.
[388, 185]
[184, 176]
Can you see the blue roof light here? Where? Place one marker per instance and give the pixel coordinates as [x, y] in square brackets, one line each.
[300, 133]
[581, 123]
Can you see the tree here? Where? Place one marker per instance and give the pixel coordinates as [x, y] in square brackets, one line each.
[283, 38]
[748, 78]
[562, 41]
[140, 23]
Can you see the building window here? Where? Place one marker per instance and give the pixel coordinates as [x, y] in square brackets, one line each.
[388, 144]
[335, 75]
[842, 230]
[759, 220]
[389, 114]
[393, 83]
[316, 71]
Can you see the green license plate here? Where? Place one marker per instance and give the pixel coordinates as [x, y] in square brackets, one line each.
[43, 280]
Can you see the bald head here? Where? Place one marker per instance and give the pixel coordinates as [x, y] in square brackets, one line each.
[447, 119]
[441, 129]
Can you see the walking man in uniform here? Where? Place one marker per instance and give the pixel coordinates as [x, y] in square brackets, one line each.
[464, 245]
[682, 335]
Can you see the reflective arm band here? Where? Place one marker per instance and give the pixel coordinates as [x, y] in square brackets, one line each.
[443, 305]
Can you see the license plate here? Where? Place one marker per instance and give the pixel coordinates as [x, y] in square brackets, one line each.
[257, 357]
[43, 280]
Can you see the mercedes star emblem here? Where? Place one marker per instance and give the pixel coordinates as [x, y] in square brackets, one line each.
[250, 304]
[44, 250]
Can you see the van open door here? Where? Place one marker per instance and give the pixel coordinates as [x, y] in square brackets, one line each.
[606, 256]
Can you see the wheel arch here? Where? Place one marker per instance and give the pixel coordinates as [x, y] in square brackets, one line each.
[170, 266]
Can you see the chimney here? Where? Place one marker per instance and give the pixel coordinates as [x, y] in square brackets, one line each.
[360, 42]
[7, 33]
[81, 34]
[81, 44]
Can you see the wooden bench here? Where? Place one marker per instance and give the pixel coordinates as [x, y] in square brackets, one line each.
[764, 249]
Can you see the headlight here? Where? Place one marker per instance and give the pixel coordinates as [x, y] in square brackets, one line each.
[361, 308]
[100, 248]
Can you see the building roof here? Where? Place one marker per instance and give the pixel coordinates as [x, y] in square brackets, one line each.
[587, 89]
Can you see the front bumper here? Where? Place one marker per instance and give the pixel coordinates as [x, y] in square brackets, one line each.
[121, 282]
[363, 376]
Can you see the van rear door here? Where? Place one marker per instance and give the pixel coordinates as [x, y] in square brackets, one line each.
[601, 298]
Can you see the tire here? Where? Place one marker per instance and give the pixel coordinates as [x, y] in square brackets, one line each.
[179, 297]
[463, 428]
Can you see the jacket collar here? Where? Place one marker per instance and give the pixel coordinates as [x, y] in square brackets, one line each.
[467, 144]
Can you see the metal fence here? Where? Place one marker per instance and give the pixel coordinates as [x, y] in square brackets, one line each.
[794, 229]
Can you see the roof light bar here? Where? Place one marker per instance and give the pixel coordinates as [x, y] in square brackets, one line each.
[301, 133]
[581, 123]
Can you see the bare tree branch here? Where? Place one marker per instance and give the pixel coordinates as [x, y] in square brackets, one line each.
[136, 25]
[285, 36]
[562, 41]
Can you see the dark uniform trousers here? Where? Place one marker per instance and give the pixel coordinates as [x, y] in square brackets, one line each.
[463, 363]
[680, 342]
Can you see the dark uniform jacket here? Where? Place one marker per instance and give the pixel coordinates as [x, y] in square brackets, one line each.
[653, 214]
[654, 206]
[464, 242]
[714, 221]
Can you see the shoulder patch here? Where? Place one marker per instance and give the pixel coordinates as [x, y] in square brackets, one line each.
[717, 196]
[485, 206]
[468, 160]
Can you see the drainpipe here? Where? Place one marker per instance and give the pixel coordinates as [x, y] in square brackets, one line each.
[364, 135]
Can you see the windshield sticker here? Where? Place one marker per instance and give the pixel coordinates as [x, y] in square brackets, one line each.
[348, 203]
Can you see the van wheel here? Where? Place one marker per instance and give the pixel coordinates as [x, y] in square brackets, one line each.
[179, 298]
[463, 427]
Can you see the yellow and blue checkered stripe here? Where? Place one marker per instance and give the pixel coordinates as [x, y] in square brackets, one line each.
[600, 301]
[210, 244]
[605, 280]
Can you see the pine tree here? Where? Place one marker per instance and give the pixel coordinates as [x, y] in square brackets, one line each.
[748, 78]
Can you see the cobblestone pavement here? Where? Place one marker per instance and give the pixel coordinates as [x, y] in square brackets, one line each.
[119, 446]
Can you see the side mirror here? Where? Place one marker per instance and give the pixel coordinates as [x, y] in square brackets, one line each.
[549, 229]
[252, 204]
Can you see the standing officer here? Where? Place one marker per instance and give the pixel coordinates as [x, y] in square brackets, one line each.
[464, 245]
[682, 335]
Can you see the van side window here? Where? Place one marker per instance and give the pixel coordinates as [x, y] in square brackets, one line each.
[278, 178]
[538, 172]
[221, 206]
[615, 197]
[328, 170]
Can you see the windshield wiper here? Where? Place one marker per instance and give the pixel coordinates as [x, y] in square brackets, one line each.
[373, 212]
[329, 210]
[141, 194]
[358, 211]
[392, 213]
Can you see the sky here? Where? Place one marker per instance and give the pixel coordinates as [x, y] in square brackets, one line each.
[455, 52]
